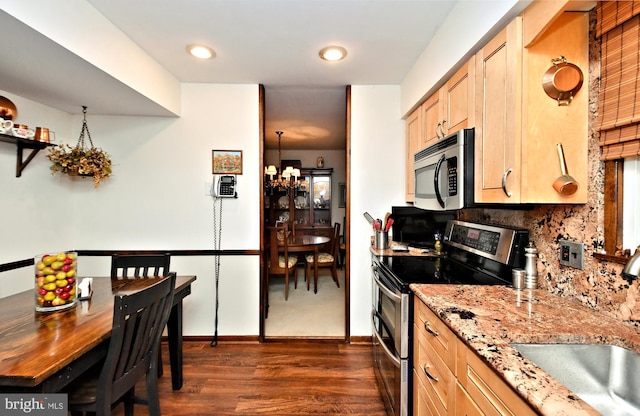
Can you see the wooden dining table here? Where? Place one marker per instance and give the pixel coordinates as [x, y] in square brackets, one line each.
[43, 352]
[305, 243]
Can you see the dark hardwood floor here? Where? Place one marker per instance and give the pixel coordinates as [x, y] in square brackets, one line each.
[274, 378]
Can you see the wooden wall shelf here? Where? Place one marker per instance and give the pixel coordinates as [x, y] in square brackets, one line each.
[22, 144]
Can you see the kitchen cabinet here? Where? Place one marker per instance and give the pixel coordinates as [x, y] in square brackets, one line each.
[447, 110]
[310, 204]
[517, 125]
[413, 130]
[434, 358]
[450, 379]
[451, 107]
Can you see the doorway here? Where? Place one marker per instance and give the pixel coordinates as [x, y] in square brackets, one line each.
[305, 314]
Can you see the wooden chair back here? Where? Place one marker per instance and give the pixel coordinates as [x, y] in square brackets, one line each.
[138, 321]
[277, 246]
[134, 266]
[335, 240]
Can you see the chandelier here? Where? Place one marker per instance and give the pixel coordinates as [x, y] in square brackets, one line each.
[282, 180]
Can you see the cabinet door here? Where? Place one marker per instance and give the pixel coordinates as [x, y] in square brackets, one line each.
[459, 99]
[464, 405]
[498, 117]
[431, 119]
[490, 393]
[413, 130]
[321, 193]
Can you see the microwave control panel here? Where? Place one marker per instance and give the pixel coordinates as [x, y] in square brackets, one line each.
[452, 173]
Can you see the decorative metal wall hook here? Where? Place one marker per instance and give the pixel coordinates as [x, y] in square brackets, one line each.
[562, 81]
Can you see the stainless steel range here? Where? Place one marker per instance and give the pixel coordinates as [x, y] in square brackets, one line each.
[475, 254]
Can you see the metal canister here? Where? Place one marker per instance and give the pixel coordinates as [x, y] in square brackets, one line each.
[531, 266]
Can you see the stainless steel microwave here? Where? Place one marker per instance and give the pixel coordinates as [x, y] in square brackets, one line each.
[444, 178]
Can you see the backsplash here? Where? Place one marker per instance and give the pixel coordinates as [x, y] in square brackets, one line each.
[599, 285]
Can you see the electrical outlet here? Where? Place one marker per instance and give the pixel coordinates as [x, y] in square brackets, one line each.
[207, 188]
[572, 254]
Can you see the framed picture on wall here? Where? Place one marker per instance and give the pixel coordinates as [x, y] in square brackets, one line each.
[342, 195]
[227, 162]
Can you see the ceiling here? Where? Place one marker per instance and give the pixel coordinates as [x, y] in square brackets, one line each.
[270, 42]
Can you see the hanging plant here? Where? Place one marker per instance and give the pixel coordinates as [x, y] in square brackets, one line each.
[81, 160]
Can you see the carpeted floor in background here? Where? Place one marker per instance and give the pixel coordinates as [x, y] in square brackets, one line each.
[306, 314]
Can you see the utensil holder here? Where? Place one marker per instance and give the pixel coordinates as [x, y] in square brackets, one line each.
[381, 240]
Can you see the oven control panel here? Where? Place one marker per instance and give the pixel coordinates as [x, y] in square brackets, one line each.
[494, 242]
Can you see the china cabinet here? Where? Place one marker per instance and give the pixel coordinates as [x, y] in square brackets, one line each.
[308, 205]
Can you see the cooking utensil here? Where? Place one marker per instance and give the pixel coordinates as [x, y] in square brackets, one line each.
[565, 185]
[387, 227]
[368, 217]
[562, 81]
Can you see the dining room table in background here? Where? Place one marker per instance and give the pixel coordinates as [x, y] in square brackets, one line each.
[43, 352]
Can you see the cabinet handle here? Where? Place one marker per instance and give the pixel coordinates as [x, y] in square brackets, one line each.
[425, 368]
[504, 182]
[441, 126]
[436, 131]
[429, 330]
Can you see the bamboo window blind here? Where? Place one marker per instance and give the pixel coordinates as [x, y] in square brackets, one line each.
[619, 99]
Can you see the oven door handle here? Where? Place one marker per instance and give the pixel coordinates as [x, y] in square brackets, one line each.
[386, 349]
[385, 290]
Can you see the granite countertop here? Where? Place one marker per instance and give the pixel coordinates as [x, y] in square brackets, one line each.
[489, 318]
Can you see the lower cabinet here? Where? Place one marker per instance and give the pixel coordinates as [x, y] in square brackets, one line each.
[451, 379]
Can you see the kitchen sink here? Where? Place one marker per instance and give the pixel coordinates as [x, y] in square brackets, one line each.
[607, 377]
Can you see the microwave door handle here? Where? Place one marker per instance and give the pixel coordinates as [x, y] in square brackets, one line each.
[436, 181]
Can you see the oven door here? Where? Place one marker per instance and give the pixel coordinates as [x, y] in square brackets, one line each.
[390, 318]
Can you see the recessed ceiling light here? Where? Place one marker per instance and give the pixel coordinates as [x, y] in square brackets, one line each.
[201, 52]
[333, 53]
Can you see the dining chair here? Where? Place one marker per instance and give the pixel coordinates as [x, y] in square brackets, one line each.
[342, 247]
[325, 260]
[141, 266]
[132, 266]
[138, 321]
[280, 262]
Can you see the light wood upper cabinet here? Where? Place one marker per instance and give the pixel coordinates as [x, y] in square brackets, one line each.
[432, 116]
[518, 126]
[459, 104]
[449, 109]
[413, 131]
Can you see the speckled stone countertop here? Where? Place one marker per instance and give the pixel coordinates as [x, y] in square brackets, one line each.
[489, 318]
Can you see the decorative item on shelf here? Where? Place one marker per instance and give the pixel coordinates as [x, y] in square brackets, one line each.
[8, 110]
[286, 179]
[320, 162]
[81, 160]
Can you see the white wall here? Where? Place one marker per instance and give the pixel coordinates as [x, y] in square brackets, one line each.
[377, 183]
[467, 27]
[154, 200]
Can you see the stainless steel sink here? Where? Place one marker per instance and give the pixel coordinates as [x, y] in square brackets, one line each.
[607, 377]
